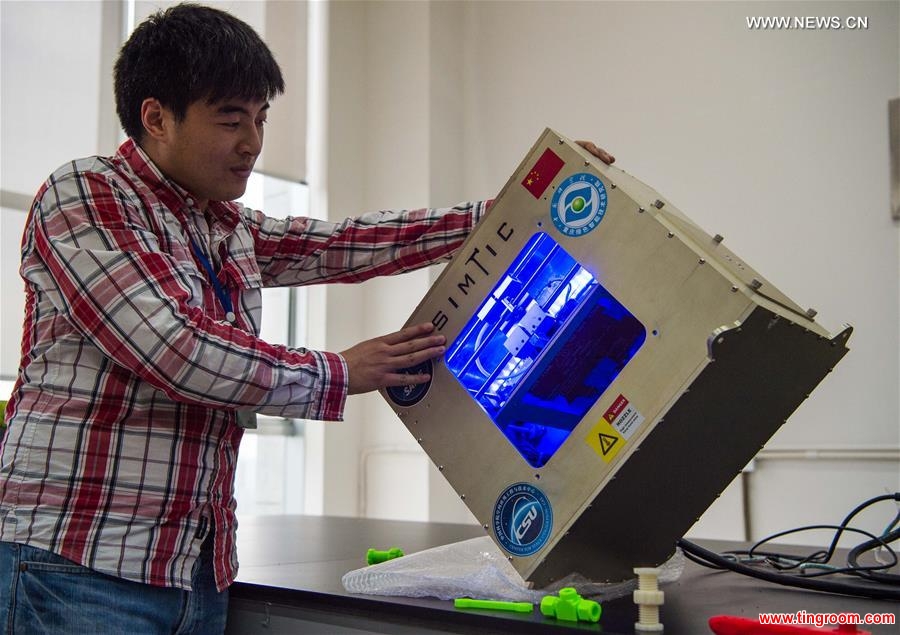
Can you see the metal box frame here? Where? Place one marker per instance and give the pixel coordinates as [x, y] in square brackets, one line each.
[727, 358]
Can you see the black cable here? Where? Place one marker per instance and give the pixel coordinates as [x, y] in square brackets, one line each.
[854, 554]
[894, 522]
[882, 585]
[819, 557]
[776, 560]
[857, 589]
[837, 536]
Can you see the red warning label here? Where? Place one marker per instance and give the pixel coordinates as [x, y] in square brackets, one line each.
[615, 409]
[623, 416]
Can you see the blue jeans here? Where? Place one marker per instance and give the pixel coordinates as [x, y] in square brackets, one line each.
[41, 592]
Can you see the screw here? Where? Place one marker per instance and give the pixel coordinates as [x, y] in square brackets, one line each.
[755, 284]
[649, 598]
[718, 238]
[658, 203]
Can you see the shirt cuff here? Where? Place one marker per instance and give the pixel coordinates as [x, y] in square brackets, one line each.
[331, 389]
[480, 209]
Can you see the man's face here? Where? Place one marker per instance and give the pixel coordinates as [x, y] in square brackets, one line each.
[211, 152]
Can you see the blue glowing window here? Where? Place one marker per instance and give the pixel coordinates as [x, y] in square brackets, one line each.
[543, 347]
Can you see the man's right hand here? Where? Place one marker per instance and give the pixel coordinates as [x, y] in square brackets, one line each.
[376, 363]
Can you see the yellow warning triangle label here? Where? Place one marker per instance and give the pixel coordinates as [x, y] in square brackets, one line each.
[607, 442]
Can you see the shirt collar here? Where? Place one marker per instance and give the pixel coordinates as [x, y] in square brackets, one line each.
[168, 191]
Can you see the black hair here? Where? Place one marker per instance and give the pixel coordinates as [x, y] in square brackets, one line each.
[187, 53]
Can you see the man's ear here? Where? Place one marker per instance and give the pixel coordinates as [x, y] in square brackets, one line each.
[156, 119]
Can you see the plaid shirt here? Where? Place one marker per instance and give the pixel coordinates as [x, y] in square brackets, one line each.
[122, 440]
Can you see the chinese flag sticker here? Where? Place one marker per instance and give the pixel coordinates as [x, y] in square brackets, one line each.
[546, 168]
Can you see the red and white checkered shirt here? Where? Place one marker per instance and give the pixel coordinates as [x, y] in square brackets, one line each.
[122, 440]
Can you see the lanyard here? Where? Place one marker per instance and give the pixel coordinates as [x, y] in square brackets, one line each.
[224, 298]
[245, 418]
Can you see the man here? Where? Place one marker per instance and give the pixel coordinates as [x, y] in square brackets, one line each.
[141, 356]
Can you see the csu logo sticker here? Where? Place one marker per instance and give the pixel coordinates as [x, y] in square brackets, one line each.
[411, 394]
[579, 204]
[522, 519]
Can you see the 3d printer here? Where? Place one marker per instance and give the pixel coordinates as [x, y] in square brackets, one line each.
[610, 368]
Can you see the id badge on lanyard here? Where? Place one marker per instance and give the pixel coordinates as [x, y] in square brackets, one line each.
[245, 418]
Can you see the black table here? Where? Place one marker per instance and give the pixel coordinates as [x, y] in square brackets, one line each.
[290, 582]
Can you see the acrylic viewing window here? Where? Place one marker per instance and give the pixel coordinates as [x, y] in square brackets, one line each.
[543, 347]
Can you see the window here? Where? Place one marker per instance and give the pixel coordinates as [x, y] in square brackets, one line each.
[543, 347]
[270, 472]
[12, 289]
[78, 45]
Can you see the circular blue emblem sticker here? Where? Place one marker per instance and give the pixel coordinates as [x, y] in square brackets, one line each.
[413, 393]
[579, 204]
[522, 519]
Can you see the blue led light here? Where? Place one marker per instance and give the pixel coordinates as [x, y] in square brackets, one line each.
[543, 347]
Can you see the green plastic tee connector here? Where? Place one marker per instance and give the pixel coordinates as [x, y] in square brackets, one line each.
[374, 556]
[493, 605]
[570, 607]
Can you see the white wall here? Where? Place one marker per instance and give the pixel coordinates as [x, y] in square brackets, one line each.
[775, 139]
[395, 115]
[46, 119]
[379, 156]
